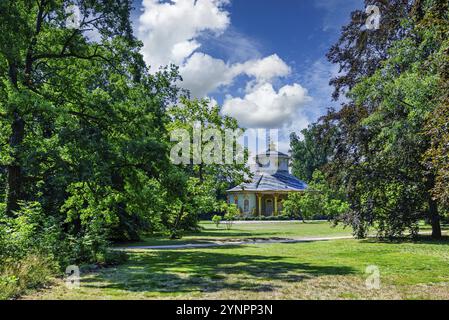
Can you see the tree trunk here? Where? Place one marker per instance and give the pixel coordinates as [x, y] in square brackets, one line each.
[434, 219]
[174, 233]
[128, 227]
[14, 170]
[434, 216]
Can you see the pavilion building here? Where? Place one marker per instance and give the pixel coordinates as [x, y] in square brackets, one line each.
[270, 186]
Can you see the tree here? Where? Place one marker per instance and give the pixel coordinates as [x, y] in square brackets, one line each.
[406, 92]
[231, 213]
[209, 179]
[216, 219]
[83, 122]
[39, 54]
[201, 114]
[320, 199]
[359, 52]
[437, 129]
[292, 207]
[392, 80]
[310, 153]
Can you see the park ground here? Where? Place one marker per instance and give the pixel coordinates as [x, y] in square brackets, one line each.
[333, 269]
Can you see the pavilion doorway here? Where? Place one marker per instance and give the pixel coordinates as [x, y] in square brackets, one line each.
[269, 207]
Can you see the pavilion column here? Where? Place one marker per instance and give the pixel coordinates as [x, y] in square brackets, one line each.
[275, 204]
[259, 197]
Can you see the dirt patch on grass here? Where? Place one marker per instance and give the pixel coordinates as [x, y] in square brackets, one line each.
[337, 288]
[291, 287]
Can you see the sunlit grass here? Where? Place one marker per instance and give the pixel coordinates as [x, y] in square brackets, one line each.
[315, 270]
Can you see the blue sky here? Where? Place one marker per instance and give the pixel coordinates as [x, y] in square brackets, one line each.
[263, 61]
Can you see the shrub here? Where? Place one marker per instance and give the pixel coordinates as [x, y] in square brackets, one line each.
[321, 200]
[232, 212]
[30, 272]
[216, 219]
[34, 248]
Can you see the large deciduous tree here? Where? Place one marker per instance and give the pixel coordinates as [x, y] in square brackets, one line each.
[310, 152]
[40, 56]
[209, 171]
[393, 80]
[82, 120]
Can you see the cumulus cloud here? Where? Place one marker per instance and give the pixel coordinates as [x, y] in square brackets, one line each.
[264, 107]
[203, 74]
[169, 29]
[173, 32]
[266, 68]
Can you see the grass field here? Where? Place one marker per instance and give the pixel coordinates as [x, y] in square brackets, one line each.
[314, 270]
[242, 231]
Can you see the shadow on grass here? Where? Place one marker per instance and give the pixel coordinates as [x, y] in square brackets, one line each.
[178, 272]
[202, 237]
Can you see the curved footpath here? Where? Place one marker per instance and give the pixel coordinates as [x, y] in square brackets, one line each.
[232, 243]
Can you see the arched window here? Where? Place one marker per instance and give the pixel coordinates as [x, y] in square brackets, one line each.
[246, 205]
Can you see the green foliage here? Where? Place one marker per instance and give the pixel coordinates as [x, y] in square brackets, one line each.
[84, 129]
[292, 206]
[310, 153]
[231, 213]
[320, 200]
[31, 250]
[359, 51]
[84, 138]
[385, 149]
[216, 219]
[29, 272]
[204, 184]
[29, 230]
[436, 29]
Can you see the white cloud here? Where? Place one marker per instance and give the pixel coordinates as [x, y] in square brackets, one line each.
[235, 46]
[264, 107]
[169, 29]
[202, 74]
[266, 68]
[174, 32]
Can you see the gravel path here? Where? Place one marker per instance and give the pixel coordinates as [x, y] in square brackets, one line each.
[270, 221]
[232, 243]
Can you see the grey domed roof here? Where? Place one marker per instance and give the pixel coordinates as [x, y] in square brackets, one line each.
[279, 181]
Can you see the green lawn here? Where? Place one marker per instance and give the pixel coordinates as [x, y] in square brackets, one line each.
[240, 231]
[314, 270]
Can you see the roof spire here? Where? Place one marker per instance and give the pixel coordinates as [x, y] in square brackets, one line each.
[271, 145]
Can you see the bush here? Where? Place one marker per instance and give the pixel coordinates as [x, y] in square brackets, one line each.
[232, 212]
[30, 272]
[29, 245]
[34, 248]
[216, 219]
